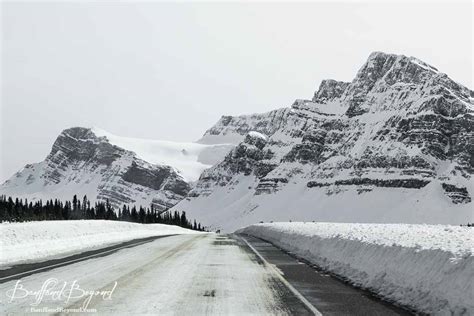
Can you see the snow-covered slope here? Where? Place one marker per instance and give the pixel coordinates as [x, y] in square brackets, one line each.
[429, 268]
[394, 145]
[124, 170]
[188, 159]
[39, 241]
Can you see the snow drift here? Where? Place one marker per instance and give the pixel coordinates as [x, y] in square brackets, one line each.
[39, 241]
[429, 268]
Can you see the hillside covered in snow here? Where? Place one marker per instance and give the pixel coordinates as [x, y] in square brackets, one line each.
[394, 145]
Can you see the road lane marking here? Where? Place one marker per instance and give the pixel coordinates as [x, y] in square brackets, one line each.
[76, 260]
[310, 306]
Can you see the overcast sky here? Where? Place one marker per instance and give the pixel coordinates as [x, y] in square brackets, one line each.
[170, 70]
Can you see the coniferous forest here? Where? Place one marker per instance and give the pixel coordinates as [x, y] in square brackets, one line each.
[19, 210]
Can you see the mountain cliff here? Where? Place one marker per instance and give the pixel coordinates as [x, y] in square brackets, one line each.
[122, 170]
[394, 145]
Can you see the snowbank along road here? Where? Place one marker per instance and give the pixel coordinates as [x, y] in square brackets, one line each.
[203, 274]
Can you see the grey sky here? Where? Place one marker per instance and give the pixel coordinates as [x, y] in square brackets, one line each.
[170, 70]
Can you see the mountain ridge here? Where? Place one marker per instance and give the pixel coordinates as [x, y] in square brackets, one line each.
[396, 144]
[93, 162]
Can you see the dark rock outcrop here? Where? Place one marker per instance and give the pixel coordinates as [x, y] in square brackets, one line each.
[457, 194]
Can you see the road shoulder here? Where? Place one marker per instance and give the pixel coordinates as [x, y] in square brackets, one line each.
[327, 294]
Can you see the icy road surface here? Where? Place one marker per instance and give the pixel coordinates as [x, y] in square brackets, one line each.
[204, 274]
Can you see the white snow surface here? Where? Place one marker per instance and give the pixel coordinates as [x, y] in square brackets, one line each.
[234, 206]
[429, 268]
[40, 241]
[258, 135]
[189, 159]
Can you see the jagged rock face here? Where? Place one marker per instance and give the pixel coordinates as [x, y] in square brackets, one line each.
[392, 82]
[84, 164]
[458, 195]
[234, 128]
[247, 158]
[329, 90]
[400, 128]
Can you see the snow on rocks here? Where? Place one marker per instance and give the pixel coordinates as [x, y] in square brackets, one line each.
[257, 135]
[391, 146]
[429, 268]
[40, 241]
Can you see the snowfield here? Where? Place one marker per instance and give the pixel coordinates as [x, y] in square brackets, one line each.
[189, 159]
[40, 241]
[429, 268]
[236, 205]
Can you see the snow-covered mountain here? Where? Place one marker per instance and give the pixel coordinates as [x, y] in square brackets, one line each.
[394, 145]
[124, 170]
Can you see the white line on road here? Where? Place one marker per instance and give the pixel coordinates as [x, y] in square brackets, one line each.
[282, 279]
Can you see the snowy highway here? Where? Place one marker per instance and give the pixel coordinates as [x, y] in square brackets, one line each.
[201, 274]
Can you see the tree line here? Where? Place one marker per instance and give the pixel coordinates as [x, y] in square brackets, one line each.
[19, 210]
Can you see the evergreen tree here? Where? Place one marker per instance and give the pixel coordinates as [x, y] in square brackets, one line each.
[134, 215]
[141, 215]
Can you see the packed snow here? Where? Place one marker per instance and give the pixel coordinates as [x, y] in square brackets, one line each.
[429, 268]
[189, 159]
[40, 241]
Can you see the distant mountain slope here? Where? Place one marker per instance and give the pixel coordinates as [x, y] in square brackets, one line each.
[394, 145]
[103, 166]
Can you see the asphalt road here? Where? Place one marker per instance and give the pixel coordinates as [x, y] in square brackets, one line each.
[328, 294]
[204, 274]
[23, 270]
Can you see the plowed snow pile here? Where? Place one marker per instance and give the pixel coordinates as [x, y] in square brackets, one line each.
[427, 267]
[39, 241]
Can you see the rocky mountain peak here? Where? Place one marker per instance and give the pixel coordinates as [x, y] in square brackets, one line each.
[83, 163]
[380, 64]
[394, 145]
[401, 83]
[82, 144]
[390, 69]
